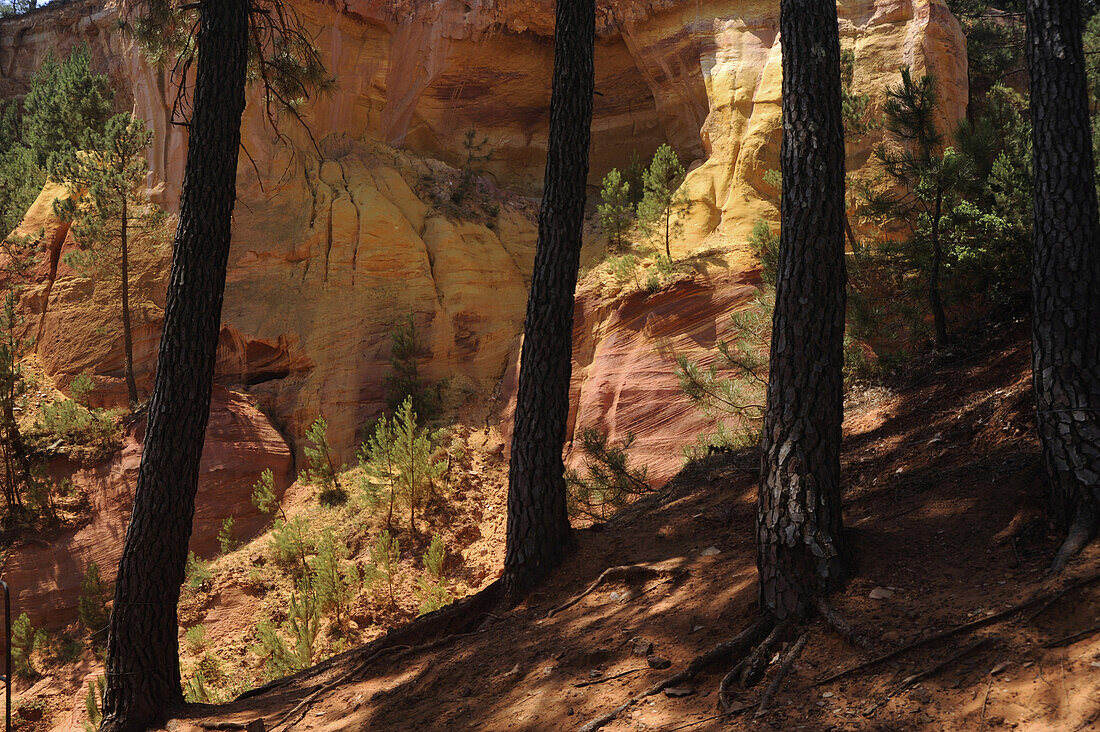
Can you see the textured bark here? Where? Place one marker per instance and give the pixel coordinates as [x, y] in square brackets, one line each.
[800, 549]
[538, 525]
[143, 676]
[1066, 274]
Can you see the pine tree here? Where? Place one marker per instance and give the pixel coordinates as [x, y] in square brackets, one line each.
[538, 524]
[432, 590]
[801, 553]
[924, 181]
[21, 179]
[385, 553]
[664, 202]
[1066, 277]
[412, 450]
[111, 210]
[336, 581]
[143, 670]
[615, 209]
[65, 107]
[16, 474]
[322, 465]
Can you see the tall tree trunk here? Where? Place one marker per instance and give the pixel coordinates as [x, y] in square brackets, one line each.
[143, 675]
[538, 525]
[939, 319]
[800, 547]
[1066, 275]
[127, 332]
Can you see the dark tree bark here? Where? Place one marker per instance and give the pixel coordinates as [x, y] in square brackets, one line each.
[143, 676]
[800, 547]
[1066, 275]
[538, 525]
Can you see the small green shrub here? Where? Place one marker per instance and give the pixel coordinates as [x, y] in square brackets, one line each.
[198, 575]
[322, 470]
[95, 594]
[81, 387]
[292, 543]
[93, 704]
[335, 580]
[226, 542]
[195, 638]
[385, 553]
[25, 639]
[432, 590]
[765, 244]
[302, 626]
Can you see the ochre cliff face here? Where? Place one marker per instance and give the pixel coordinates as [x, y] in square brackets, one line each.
[336, 240]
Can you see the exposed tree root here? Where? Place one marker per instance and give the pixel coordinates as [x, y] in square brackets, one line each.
[752, 667]
[837, 622]
[1067, 639]
[935, 668]
[1081, 532]
[624, 573]
[784, 668]
[981, 622]
[735, 647]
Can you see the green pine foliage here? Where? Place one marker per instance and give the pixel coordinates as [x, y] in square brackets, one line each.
[17, 481]
[383, 571]
[476, 152]
[854, 107]
[25, 640]
[291, 646]
[197, 575]
[322, 470]
[403, 382]
[21, 178]
[92, 610]
[764, 243]
[732, 389]
[292, 543]
[264, 497]
[226, 542]
[93, 704]
[607, 481]
[955, 218]
[663, 202]
[432, 590]
[336, 581]
[400, 464]
[65, 108]
[616, 211]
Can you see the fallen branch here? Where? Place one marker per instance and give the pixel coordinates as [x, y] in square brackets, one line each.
[721, 652]
[784, 667]
[914, 678]
[981, 622]
[985, 701]
[626, 572]
[605, 679]
[1067, 639]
